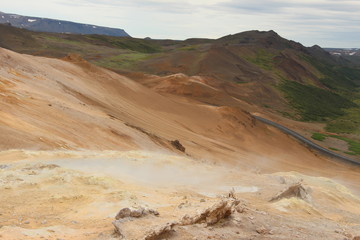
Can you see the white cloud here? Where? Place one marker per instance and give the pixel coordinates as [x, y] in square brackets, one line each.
[323, 22]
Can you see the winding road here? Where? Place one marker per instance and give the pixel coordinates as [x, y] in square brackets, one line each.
[306, 141]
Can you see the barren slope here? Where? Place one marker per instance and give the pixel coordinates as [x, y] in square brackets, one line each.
[80, 142]
[52, 104]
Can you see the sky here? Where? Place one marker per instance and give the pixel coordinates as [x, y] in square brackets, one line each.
[328, 23]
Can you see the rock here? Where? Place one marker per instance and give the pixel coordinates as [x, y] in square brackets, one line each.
[207, 217]
[237, 220]
[2, 166]
[135, 213]
[123, 213]
[240, 208]
[296, 190]
[48, 166]
[262, 230]
[348, 235]
[202, 200]
[150, 235]
[282, 180]
[181, 205]
[356, 238]
[152, 211]
[126, 214]
[117, 225]
[73, 57]
[176, 144]
[213, 214]
[160, 231]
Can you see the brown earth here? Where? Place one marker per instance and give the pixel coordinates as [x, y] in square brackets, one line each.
[80, 142]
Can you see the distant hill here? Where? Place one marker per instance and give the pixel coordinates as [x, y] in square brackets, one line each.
[257, 67]
[58, 26]
[344, 51]
[351, 54]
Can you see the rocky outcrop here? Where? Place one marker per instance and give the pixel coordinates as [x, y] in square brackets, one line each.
[213, 214]
[296, 190]
[160, 231]
[128, 214]
[135, 213]
[176, 144]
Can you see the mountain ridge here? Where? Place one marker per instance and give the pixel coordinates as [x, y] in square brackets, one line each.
[108, 137]
[257, 67]
[58, 26]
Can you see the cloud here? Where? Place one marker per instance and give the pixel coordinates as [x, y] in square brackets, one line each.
[323, 22]
[149, 5]
[281, 6]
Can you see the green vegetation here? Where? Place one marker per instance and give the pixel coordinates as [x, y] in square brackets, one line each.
[315, 104]
[337, 102]
[345, 81]
[125, 61]
[348, 123]
[263, 59]
[336, 77]
[55, 43]
[189, 48]
[286, 114]
[353, 146]
[133, 44]
[350, 153]
[342, 125]
[334, 149]
[318, 136]
[117, 53]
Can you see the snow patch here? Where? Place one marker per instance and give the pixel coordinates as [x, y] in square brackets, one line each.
[93, 26]
[31, 20]
[352, 53]
[2, 17]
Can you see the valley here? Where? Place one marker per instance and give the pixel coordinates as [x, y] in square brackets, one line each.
[168, 132]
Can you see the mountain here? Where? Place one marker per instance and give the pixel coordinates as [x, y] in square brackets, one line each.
[260, 68]
[79, 143]
[351, 54]
[107, 137]
[58, 26]
[344, 51]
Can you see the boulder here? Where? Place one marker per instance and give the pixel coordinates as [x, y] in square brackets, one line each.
[212, 214]
[135, 213]
[296, 190]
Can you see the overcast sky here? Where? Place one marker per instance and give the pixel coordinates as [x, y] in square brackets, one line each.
[328, 23]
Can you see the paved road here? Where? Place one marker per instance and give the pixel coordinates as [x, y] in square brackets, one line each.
[307, 142]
